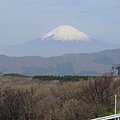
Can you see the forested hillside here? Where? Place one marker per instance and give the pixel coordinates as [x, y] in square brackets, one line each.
[24, 98]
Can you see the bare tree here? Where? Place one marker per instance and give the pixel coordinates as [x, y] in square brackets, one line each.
[11, 104]
[100, 92]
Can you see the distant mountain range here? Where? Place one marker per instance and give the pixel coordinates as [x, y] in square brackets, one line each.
[96, 63]
[62, 40]
[64, 51]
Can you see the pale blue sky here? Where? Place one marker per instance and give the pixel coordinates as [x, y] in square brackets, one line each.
[24, 20]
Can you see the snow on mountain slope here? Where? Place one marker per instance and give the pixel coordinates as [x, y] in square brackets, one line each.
[62, 40]
[66, 33]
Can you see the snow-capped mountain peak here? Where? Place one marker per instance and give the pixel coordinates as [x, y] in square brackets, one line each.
[66, 33]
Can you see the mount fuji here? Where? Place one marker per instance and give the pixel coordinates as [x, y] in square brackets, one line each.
[66, 33]
[62, 40]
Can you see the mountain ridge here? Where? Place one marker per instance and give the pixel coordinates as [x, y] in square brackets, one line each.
[96, 63]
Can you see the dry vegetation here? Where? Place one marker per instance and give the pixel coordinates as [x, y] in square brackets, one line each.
[23, 98]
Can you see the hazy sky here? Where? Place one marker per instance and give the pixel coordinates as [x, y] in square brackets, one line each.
[24, 20]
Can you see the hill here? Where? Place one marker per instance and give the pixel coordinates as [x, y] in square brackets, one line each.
[70, 64]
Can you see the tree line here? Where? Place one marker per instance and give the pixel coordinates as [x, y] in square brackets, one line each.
[62, 78]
